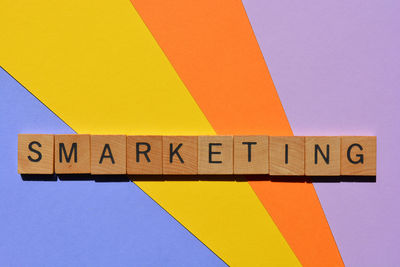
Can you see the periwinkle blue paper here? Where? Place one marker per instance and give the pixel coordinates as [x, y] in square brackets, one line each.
[79, 223]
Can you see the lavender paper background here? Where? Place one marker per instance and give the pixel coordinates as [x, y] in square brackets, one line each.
[336, 67]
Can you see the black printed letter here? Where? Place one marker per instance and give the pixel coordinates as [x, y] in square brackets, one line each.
[326, 158]
[74, 148]
[249, 149]
[172, 152]
[286, 154]
[138, 152]
[360, 156]
[39, 157]
[210, 152]
[107, 147]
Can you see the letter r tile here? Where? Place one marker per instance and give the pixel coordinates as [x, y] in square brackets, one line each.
[144, 154]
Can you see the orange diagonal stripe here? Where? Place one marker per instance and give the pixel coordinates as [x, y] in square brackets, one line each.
[212, 47]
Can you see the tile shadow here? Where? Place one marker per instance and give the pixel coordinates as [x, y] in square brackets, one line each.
[160, 178]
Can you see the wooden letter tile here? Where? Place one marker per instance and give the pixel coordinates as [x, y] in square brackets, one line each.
[215, 155]
[72, 153]
[358, 155]
[250, 155]
[35, 154]
[179, 154]
[286, 155]
[144, 154]
[108, 154]
[322, 155]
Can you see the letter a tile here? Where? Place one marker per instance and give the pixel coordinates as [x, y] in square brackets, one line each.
[108, 154]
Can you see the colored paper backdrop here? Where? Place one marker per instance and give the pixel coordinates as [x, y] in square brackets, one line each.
[199, 68]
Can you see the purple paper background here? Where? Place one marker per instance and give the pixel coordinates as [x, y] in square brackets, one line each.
[336, 67]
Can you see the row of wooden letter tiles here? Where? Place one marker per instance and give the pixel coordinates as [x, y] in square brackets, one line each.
[192, 155]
